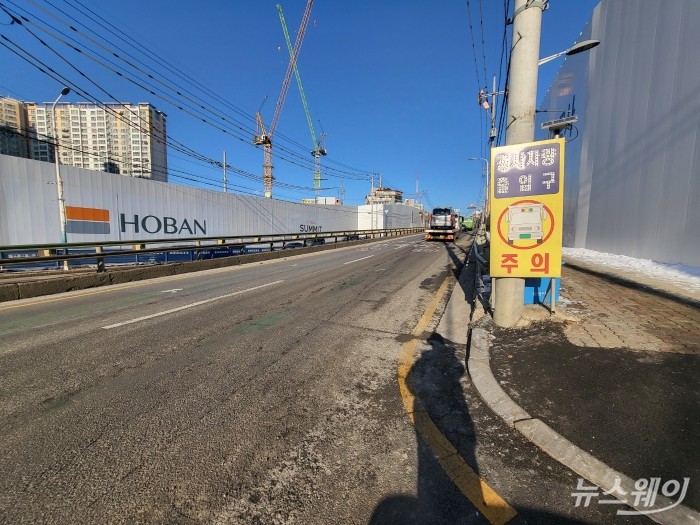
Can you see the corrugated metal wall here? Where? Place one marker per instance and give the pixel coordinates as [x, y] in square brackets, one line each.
[141, 209]
[633, 173]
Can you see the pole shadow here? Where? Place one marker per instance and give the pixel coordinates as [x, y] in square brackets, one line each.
[444, 429]
[440, 411]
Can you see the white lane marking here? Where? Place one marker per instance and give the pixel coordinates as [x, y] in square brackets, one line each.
[360, 259]
[198, 303]
[174, 290]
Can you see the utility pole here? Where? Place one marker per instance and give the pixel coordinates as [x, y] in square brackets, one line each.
[417, 188]
[225, 185]
[494, 131]
[509, 293]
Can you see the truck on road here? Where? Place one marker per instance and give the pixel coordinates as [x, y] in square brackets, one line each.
[444, 225]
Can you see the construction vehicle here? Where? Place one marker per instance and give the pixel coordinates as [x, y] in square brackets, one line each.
[262, 136]
[444, 225]
[468, 224]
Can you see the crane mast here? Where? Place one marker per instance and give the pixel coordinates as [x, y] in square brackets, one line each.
[263, 137]
[318, 150]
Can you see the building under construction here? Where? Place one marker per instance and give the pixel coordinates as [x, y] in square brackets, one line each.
[384, 196]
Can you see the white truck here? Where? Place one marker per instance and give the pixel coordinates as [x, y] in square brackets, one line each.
[444, 225]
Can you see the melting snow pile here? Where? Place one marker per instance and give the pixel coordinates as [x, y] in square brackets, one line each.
[684, 276]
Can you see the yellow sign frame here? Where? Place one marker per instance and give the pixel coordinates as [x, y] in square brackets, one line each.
[526, 198]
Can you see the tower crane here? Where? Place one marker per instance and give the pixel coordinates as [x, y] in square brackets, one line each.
[262, 136]
[319, 149]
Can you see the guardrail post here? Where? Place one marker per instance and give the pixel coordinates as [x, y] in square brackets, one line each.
[48, 253]
[100, 260]
[136, 248]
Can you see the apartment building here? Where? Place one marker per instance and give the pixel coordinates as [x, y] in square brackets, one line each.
[120, 138]
[13, 119]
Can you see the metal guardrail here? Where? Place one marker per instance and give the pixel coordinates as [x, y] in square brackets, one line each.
[484, 285]
[224, 245]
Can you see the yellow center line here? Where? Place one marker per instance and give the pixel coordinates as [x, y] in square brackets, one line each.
[494, 508]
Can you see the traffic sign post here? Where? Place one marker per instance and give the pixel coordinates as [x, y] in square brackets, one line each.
[527, 201]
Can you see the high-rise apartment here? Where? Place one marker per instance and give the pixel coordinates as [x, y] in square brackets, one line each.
[13, 119]
[115, 137]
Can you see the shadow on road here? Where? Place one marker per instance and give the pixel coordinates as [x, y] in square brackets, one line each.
[439, 408]
[446, 437]
[444, 430]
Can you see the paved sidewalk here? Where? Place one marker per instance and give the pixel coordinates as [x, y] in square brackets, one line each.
[616, 315]
[608, 386]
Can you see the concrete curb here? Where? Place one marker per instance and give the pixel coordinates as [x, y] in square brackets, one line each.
[558, 447]
[486, 384]
[451, 325]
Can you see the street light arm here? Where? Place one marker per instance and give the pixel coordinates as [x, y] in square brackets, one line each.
[550, 58]
[481, 158]
[580, 47]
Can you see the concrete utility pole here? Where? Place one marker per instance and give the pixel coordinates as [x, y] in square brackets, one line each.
[520, 127]
[225, 181]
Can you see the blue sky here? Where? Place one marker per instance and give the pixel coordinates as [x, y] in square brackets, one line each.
[392, 83]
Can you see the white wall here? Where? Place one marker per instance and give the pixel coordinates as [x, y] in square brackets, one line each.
[633, 172]
[29, 208]
[372, 216]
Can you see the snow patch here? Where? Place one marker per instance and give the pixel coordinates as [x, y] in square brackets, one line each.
[684, 276]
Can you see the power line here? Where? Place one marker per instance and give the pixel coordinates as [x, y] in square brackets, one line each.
[483, 44]
[175, 173]
[290, 156]
[471, 32]
[332, 169]
[170, 141]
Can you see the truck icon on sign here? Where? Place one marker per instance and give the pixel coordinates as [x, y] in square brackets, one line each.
[526, 221]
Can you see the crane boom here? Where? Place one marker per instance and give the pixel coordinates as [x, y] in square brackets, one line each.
[296, 74]
[290, 67]
[264, 138]
[318, 146]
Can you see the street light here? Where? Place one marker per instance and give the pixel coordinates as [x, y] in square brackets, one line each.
[486, 166]
[486, 211]
[582, 46]
[59, 180]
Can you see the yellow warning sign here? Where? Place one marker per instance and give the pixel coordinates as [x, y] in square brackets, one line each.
[527, 203]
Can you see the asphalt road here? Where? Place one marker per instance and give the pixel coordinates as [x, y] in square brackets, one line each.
[263, 393]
